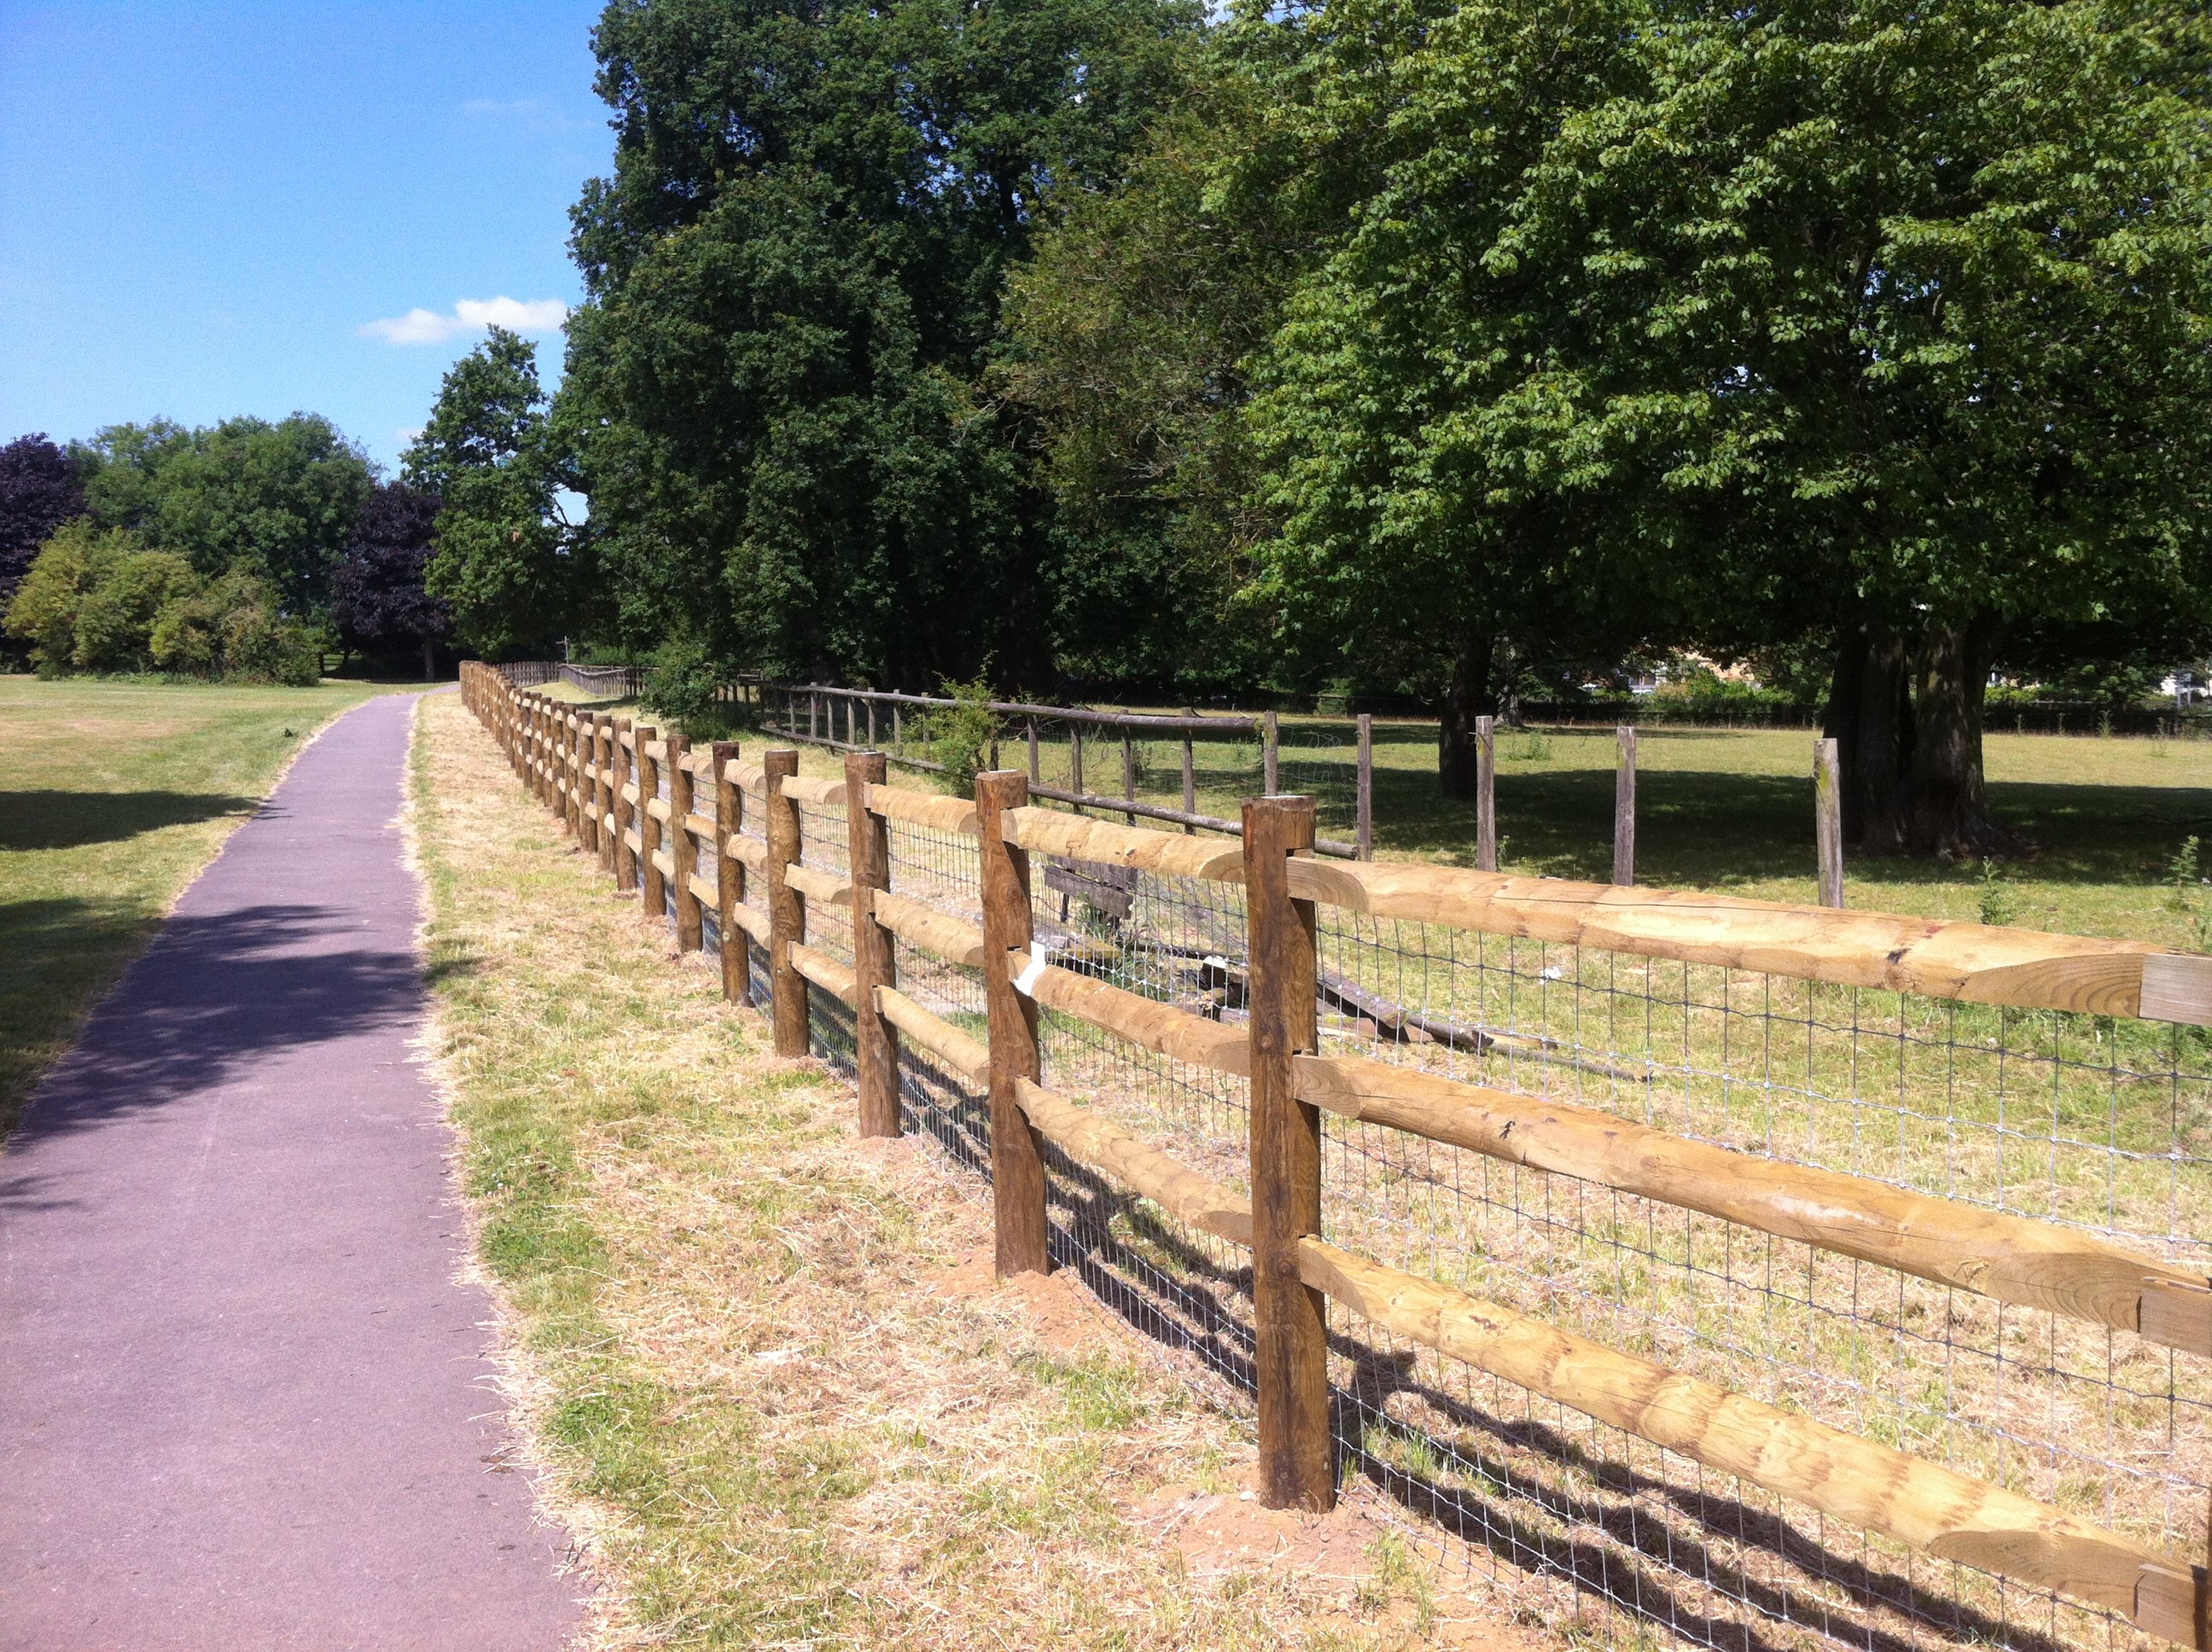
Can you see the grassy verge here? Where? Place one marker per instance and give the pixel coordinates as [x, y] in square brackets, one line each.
[763, 1371]
[112, 796]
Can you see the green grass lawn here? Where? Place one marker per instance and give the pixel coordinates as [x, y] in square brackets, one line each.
[1719, 809]
[112, 796]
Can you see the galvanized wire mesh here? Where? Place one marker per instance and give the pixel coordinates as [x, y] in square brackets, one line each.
[2102, 1124]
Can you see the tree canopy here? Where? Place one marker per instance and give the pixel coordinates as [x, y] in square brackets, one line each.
[507, 556]
[794, 279]
[39, 492]
[271, 500]
[380, 602]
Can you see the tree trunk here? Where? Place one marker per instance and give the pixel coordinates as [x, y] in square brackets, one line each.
[1468, 698]
[1869, 717]
[1949, 813]
[430, 660]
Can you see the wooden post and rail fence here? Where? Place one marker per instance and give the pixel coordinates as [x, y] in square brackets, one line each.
[602, 778]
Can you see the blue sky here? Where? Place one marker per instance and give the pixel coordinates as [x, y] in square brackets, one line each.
[203, 206]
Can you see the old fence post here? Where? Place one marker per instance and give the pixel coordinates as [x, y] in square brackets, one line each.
[1290, 1325]
[1189, 776]
[1075, 762]
[683, 846]
[874, 963]
[730, 878]
[1485, 793]
[574, 725]
[1017, 1163]
[1624, 811]
[1828, 821]
[1270, 753]
[651, 880]
[1128, 772]
[1365, 834]
[625, 810]
[787, 918]
[603, 785]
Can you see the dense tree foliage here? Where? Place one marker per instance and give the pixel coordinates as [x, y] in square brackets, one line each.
[271, 502]
[379, 604]
[39, 492]
[102, 600]
[508, 557]
[1638, 323]
[794, 278]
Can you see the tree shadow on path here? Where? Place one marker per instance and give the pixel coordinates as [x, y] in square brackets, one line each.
[213, 995]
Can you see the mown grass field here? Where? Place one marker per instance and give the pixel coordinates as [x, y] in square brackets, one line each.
[1730, 809]
[762, 1359]
[112, 796]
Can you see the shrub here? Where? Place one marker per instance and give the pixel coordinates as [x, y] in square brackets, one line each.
[961, 735]
[680, 683]
[101, 602]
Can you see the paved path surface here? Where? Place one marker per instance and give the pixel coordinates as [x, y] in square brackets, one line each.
[242, 1403]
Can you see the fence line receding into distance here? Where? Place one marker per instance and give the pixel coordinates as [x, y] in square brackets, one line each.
[1784, 1275]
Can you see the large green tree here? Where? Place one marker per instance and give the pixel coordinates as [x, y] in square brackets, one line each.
[794, 277]
[1722, 322]
[272, 501]
[508, 554]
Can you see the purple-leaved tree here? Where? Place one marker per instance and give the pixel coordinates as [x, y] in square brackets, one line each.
[39, 492]
[378, 601]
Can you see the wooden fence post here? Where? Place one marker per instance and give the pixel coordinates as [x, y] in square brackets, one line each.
[1366, 832]
[730, 878]
[653, 884]
[683, 846]
[603, 784]
[787, 918]
[1037, 760]
[573, 725]
[1623, 810]
[1828, 821]
[875, 962]
[1016, 1159]
[1485, 793]
[625, 767]
[1189, 777]
[1291, 1323]
[1129, 772]
[1075, 762]
[1270, 753]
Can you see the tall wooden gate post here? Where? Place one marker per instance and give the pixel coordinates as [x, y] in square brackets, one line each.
[730, 878]
[654, 903]
[626, 772]
[1291, 1324]
[1828, 821]
[1485, 793]
[1016, 1157]
[1624, 811]
[874, 961]
[786, 917]
[682, 847]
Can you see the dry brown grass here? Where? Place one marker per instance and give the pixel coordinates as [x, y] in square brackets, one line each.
[768, 1380]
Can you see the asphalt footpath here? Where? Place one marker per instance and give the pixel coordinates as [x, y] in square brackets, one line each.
[244, 1405]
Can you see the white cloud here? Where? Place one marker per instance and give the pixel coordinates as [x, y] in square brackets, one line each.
[537, 315]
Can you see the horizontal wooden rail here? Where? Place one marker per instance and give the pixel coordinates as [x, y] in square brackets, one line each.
[659, 809]
[751, 919]
[2011, 1258]
[928, 928]
[699, 826]
[629, 793]
[704, 891]
[749, 852]
[824, 971]
[1092, 1139]
[1978, 963]
[664, 863]
[1328, 845]
[634, 843]
[968, 1057]
[824, 794]
[922, 808]
[1862, 1483]
[752, 776]
[1159, 1027]
[1049, 831]
[822, 888]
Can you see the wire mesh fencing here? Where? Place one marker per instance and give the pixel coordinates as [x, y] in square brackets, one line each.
[2101, 1125]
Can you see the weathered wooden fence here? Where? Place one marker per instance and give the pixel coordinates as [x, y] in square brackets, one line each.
[1784, 1275]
